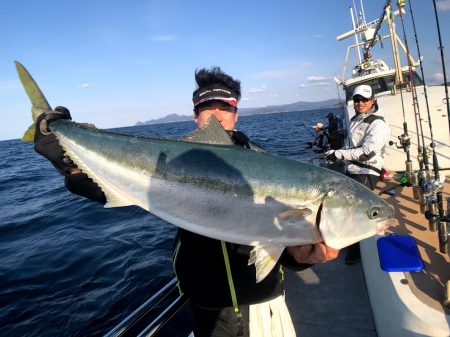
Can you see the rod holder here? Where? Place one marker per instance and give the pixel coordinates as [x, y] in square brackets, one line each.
[415, 184]
[423, 204]
[442, 225]
[431, 215]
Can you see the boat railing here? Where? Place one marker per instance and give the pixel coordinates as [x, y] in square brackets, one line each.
[164, 304]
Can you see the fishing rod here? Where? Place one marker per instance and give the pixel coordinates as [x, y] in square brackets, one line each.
[428, 190]
[372, 42]
[424, 171]
[442, 225]
[405, 140]
[441, 49]
[344, 120]
[412, 177]
[436, 186]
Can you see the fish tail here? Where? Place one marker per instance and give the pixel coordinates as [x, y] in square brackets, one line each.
[39, 103]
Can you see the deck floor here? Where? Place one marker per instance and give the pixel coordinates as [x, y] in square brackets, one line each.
[330, 300]
[428, 285]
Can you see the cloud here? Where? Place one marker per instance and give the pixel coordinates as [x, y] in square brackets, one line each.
[274, 95]
[84, 85]
[301, 85]
[163, 38]
[312, 79]
[258, 90]
[318, 36]
[319, 81]
[443, 5]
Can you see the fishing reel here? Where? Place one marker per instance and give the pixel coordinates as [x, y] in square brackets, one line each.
[405, 142]
[439, 222]
[430, 187]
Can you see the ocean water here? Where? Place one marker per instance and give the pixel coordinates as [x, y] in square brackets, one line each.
[69, 267]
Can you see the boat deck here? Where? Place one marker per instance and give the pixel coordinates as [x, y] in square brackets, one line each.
[428, 285]
[332, 300]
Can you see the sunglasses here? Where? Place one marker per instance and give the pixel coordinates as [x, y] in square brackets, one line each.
[360, 99]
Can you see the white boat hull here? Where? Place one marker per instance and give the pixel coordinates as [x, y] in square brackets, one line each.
[396, 311]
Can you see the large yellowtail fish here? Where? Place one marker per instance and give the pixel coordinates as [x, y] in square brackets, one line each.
[206, 185]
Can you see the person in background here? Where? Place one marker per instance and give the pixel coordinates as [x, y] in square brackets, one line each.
[336, 132]
[368, 136]
[215, 275]
[332, 122]
[320, 143]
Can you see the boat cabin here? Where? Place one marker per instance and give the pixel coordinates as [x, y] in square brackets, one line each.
[379, 78]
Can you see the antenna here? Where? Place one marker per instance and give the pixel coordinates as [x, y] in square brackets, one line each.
[362, 11]
[356, 36]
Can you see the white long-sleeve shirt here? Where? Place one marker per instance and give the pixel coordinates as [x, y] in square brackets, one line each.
[367, 143]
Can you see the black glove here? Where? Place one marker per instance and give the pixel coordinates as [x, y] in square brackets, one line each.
[46, 144]
[330, 156]
[309, 145]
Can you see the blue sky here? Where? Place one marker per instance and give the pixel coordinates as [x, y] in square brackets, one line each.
[113, 63]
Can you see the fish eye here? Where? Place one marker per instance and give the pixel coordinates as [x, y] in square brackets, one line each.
[374, 212]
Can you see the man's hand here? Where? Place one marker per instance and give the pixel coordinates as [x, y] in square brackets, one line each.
[316, 253]
[46, 144]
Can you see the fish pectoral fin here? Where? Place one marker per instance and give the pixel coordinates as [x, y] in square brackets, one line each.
[293, 217]
[264, 258]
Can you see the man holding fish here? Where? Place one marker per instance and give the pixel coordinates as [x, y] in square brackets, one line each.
[215, 274]
[237, 208]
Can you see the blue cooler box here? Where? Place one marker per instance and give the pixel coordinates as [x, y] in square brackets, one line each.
[399, 253]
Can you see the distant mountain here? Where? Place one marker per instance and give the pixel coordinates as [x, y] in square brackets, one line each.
[167, 119]
[297, 106]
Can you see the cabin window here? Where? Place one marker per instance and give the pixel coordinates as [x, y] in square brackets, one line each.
[382, 84]
[390, 81]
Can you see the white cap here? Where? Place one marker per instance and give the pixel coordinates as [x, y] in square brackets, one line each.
[363, 90]
[318, 126]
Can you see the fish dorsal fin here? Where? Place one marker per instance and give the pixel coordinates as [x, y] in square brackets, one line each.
[210, 133]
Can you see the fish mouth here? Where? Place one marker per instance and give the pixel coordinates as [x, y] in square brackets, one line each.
[382, 226]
